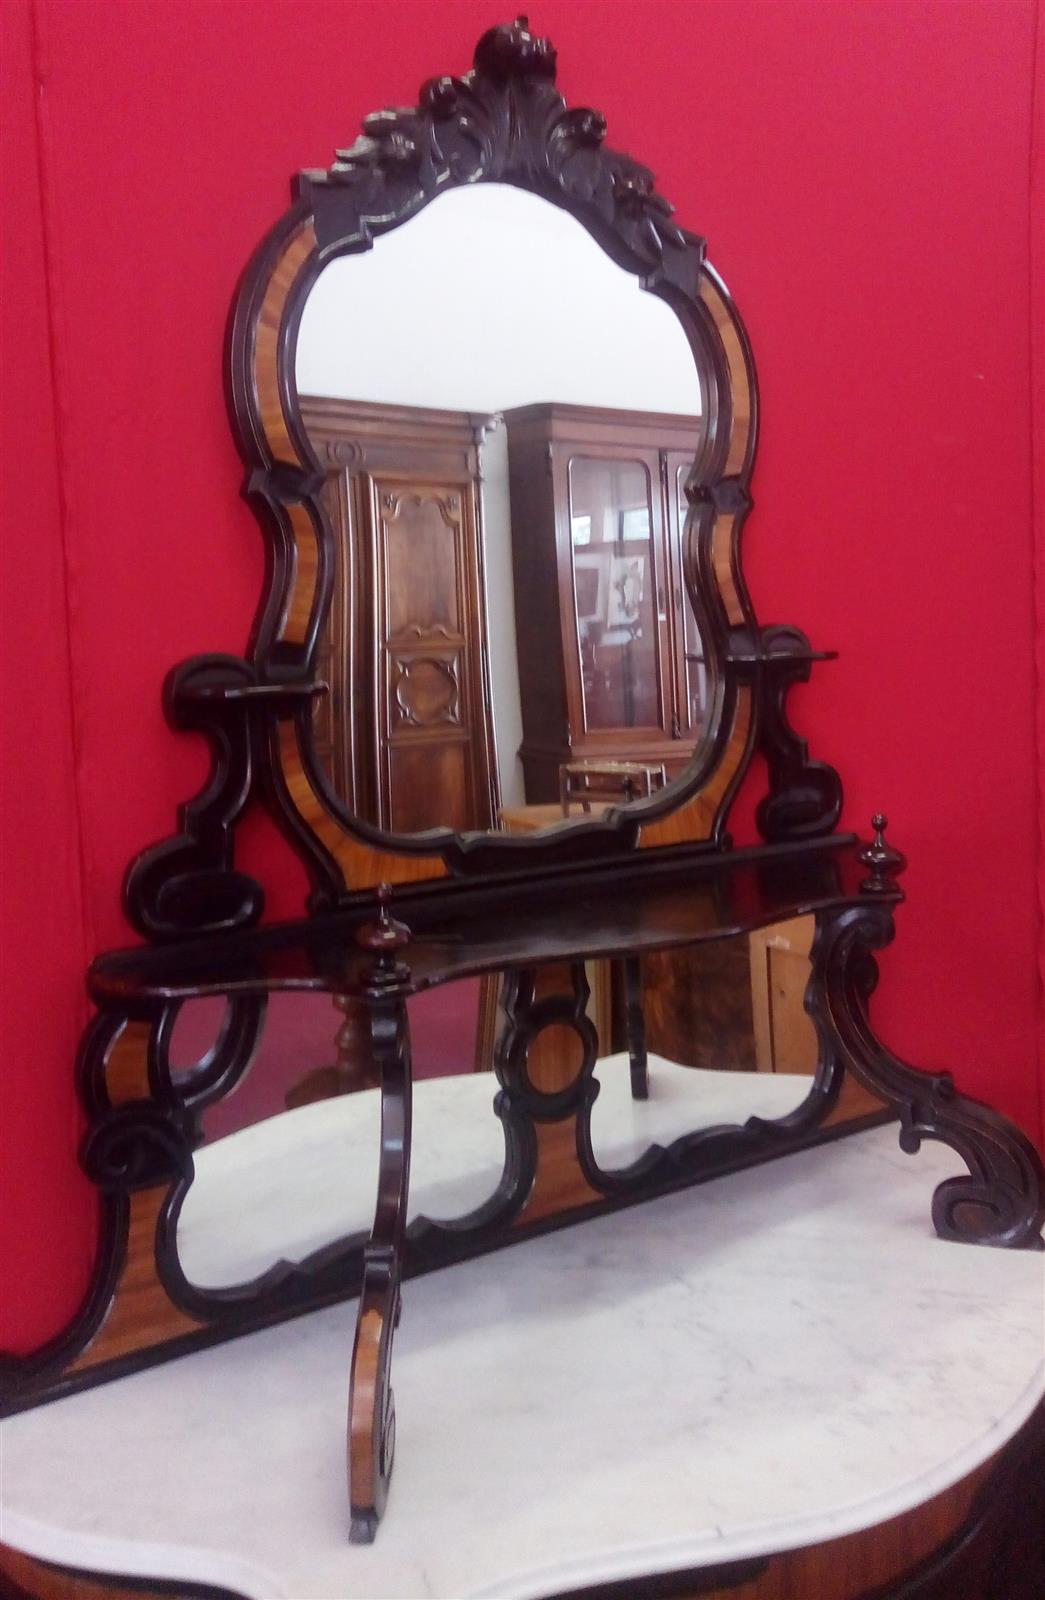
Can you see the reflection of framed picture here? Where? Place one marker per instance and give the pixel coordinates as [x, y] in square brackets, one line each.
[634, 524]
[580, 530]
[590, 577]
[627, 578]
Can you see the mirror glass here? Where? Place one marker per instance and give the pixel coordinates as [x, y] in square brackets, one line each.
[271, 1182]
[727, 1035]
[728, 1038]
[508, 420]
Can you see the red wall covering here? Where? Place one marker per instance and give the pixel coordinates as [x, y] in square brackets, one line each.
[862, 172]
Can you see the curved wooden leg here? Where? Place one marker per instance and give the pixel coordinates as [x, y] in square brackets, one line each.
[635, 1026]
[371, 1407]
[1002, 1199]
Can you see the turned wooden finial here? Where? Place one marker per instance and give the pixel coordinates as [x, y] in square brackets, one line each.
[885, 862]
[385, 936]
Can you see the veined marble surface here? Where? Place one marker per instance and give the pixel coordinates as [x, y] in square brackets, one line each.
[762, 1362]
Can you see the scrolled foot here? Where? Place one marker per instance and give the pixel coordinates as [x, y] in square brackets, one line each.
[363, 1529]
[1001, 1199]
[371, 1413]
[976, 1213]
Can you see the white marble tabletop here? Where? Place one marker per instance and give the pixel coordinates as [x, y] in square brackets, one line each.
[762, 1362]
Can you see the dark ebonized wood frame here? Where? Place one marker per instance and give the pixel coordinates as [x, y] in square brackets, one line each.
[658, 874]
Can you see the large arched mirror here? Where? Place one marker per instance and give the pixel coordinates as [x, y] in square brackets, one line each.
[500, 416]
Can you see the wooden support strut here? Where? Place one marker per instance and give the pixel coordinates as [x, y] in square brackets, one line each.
[371, 1406]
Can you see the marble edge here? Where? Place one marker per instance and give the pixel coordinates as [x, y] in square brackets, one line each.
[105, 1556]
[199, 1564]
[711, 1548]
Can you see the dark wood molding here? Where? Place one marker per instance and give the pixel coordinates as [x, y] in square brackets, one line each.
[371, 1404]
[188, 883]
[1001, 1199]
[805, 796]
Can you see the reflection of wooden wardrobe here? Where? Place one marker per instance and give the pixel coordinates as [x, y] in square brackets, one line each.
[405, 732]
[606, 635]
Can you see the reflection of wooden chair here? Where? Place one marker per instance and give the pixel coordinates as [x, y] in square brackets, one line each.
[581, 782]
[585, 781]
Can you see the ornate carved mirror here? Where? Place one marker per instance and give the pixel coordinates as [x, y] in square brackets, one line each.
[479, 294]
[499, 418]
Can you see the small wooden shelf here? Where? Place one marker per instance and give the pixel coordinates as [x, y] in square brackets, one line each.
[583, 916]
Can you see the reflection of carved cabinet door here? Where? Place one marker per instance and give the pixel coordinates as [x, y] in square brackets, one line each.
[425, 655]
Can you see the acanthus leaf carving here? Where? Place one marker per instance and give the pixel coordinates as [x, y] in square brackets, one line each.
[503, 121]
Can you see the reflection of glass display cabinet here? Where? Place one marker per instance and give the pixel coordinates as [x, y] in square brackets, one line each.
[606, 636]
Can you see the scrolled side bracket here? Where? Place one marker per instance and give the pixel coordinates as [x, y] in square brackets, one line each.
[805, 796]
[187, 884]
[1001, 1200]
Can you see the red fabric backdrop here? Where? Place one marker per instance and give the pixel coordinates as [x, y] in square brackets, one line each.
[862, 172]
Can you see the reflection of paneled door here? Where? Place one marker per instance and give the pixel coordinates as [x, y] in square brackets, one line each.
[425, 648]
[785, 1038]
[406, 733]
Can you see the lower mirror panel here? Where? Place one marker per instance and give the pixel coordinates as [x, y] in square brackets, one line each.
[727, 1027]
[297, 1183]
[728, 1039]
[736, 1005]
[288, 1165]
[681, 1101]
